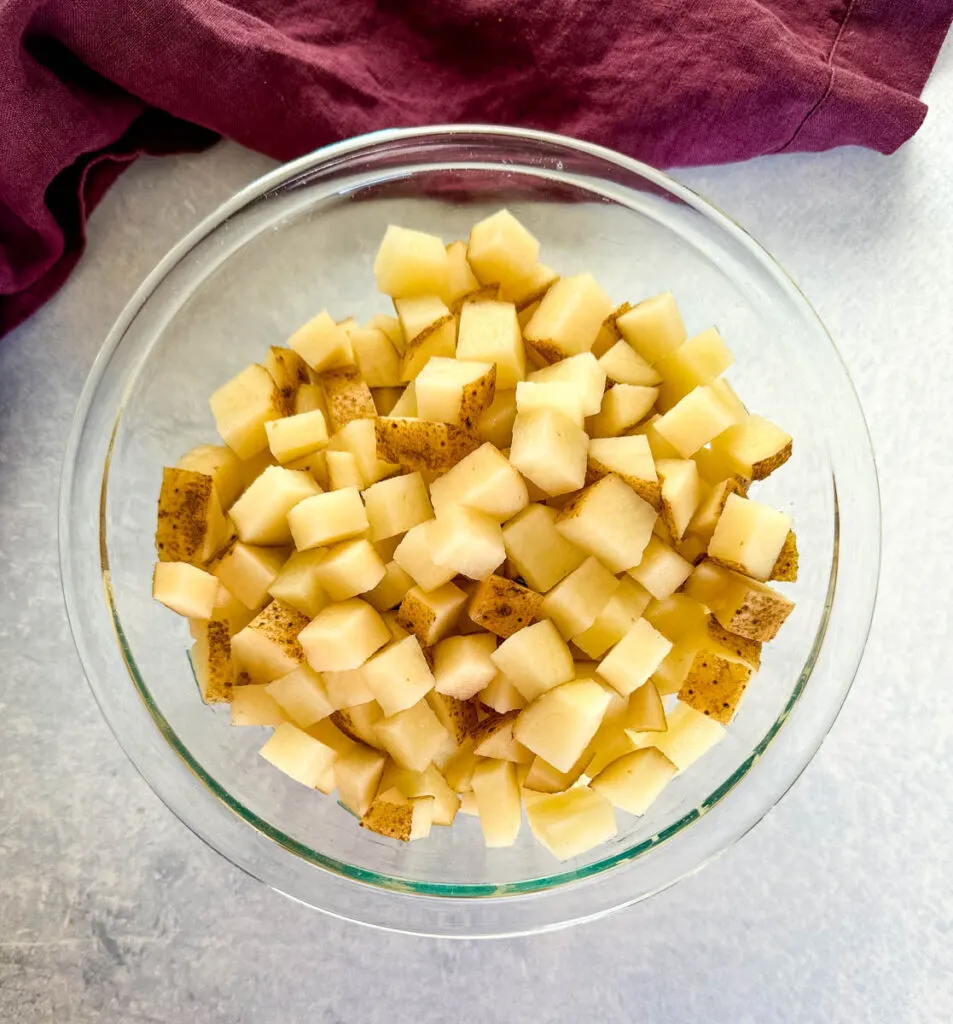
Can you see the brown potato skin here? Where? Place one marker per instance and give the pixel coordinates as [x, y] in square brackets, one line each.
[503, 606]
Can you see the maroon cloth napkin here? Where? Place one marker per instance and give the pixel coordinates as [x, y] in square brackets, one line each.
[87, 85]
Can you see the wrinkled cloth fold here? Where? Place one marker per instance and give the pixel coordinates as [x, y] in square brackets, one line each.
[87, 85]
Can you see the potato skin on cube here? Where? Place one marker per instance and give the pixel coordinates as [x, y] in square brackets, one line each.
[503, 606]
[418, 445]
[715, 686]
[190, 522]
[348, 397]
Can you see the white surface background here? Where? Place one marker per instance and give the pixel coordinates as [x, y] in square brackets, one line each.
[838, 907]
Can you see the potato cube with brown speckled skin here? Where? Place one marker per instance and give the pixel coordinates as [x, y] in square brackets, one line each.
[431, 614]
[220, 463]
[493, 737]
[786, 566]
[630, 458]
[454, 391]
[749, 537]
[347, 395]
[417, 444]
[741, 605]
[212, 661]
[715, 685]
[268, 647]
[429, 328]
[754, 448]
[191, 526]
[503, 606]
[458, 717]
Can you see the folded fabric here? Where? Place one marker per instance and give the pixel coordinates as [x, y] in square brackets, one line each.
[86, 85]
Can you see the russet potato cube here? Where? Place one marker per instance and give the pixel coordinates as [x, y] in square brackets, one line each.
[501, 249]
[623, 406]
[644, 711]
[742, 605]
[228, 610]
[431, 614]
[700, 360]
[398, 676]
[289, 372]
[490, 333]
[343, 471]
[357, 775]
[681, 493]
[463, 665]
[584, 372]
[222, 465]
[498, 802]
[267, 648]
[563, 396]
[248, 571]
[550, 450]
[359, 721]
[575, 602]
[302, 696]
[542, 777]
[630, 458]
[310, 398]
[623, 365]
[653, 328]
[347, 395]
[715, 685]
[302, 757]
[755, 448]
[359, 438]
[634, 658]
[293, 437]
[662, 569]
[786, 566]
[710, 508]
[347, 689]
[253, 705]
[612, 623]
[485, 481]
[503, 606]
[559, 724]
[609, 521]
[316, 466]
[524, 291]
[414, 738]
[327, 518]
[454, 391]
[461, 281]
[635, 780]
[261, 514]
[539, 552]
[535, 659]
[749, 537]
[190, 524]
[496, 423]
[393, 815]
[212, 663]
[298, 583]
[428, 783]
[420, 445]
[570, 823]
[377, 360]
[467, 541]
[493, 737]
[568, 318]
[390, 325]
[458, 717]
[343, 636]
[185, 589]
[349, 568]
[410, 263]
[322, 344]
[694, 420]
[690, 735]
[430, 329]
[243, 406]
[414, 555]
[501, 695]
[391, 589]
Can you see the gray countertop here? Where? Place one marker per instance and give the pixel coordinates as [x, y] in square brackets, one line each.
[838, 907]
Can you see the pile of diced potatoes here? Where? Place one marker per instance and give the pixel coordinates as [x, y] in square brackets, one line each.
[496, 551]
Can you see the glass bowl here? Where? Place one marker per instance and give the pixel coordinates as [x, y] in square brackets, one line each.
[304, 237]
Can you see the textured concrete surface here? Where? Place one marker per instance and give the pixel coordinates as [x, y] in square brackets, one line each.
[838, 908]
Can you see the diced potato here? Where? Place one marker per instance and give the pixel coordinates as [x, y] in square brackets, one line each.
[660, 448]
[461, 281]
[253, 705]
[549, 449]
[222, 465]
[185, 589]
[327, 518]
[653, 328]
[613, 622]
[681, 493]
[749, 537]
[298, 585]
[430, 614]
[322, 344]
[501, 695]
[644, 711]
[493, 737]
[377, 360]
[490, 333]
[690, 734]
[227, 610]
[410, 263]
[248, 572]
[414, 555]
[623, 405]
[609, 521]
[540, 552]
[503, 606]
[359, 438]
[358, 721]
[289, 372]
[662, 570]
[430, 329]
[293, 437]
[743, 606]
[754, 448]
[729, 398]
[386, 399]
[530, 288]
[347, 689]
[344, 471]
[542, 777]
[634, 658]
[694, 421]
[190, 526]
[418, 445]
[568, 319]
[715, 685]
[697, 361]
[454, 391]
[575, 602]
[267, 648]
[630, 458]
[413, 737]
[294, 752]
[786, 565]
[430, 783]
[261, 514]
[243, 406]
[496, 423]
[390, 325]
[343, 636]
[677, 616]
[391, 589]
[623, 365]
[635, 780]
[562, 395]
[211, 658]
[711, 506]
[498, 802]
[467, 541]
[570, 823]
[559, 724]
[310, 398]
[357, 775]
[398, 817]
[316, 465]
[302, 696]
[501, 249]
[463, 665]
[349, 568]
[485, 481]
[716, 639]
[584, 372]
[458, 717]
[535, 659]
[458, 770]
[398, 676]
[348, 396]
[609, 744]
